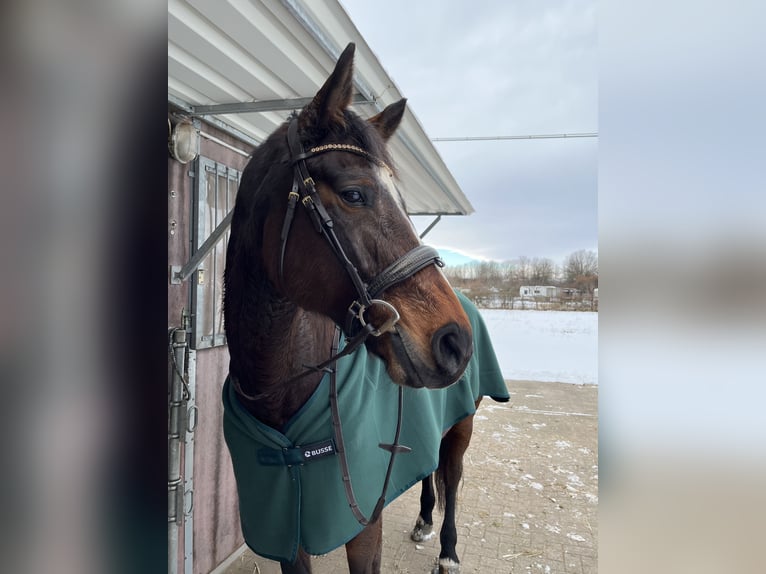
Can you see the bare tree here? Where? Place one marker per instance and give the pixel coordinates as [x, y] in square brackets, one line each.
[506, 270]
[542, 271]
[581, 270]
[498, 282]
[522, 273]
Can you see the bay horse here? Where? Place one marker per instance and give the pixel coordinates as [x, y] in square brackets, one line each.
[320, 239]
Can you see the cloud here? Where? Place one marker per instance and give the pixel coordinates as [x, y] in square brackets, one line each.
[492, 68]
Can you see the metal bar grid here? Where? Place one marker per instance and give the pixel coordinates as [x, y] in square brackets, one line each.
[216, 189]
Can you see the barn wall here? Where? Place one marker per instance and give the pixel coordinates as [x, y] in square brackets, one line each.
[179, 190]
[216, 520]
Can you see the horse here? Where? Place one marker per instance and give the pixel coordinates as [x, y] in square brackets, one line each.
[320, 244]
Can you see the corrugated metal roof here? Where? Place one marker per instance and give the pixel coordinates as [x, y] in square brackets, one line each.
[228, 51]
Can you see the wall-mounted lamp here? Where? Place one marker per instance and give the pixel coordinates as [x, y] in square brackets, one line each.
[183, 141]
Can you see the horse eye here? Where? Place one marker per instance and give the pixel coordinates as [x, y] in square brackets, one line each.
[352, 195]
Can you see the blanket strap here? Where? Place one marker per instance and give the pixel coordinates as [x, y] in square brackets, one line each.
[340, 447]
[297, 455]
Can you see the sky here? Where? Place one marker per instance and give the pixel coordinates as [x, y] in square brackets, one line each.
[487, 68]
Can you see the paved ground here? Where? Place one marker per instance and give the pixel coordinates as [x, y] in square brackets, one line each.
[529, 497]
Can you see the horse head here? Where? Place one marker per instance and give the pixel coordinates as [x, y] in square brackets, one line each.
[342, 162]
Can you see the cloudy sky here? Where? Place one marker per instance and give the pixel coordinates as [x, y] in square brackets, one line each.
[488, 68]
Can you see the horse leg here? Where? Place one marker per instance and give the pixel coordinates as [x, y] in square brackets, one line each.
[363, 552]
[302, 564]
[451, 451]
[424, 525]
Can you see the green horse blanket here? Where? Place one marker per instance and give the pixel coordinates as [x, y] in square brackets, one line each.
[289, 483]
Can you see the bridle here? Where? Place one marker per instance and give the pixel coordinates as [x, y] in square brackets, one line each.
[356, 327]
[304, 190]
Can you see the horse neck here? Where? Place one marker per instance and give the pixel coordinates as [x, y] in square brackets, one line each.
[276, 340]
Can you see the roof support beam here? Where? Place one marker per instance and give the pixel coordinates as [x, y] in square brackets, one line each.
[430, 226]
[263, 106]
[178, 275]
[186, 110]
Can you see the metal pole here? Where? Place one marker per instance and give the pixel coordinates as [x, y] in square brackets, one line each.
[191, 424]
[264, 106]
[179, 275]
[431, 226]
[177, 425]
[520, 137]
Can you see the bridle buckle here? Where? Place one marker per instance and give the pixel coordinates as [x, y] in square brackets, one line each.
[358, 309]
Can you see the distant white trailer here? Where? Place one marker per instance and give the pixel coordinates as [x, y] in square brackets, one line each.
[538, 291]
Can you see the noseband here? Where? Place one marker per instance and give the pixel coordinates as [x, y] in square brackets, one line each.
[304, 189]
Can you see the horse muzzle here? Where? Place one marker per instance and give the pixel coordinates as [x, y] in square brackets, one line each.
[451, 348]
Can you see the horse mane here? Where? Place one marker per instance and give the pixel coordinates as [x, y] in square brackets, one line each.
[244, 273]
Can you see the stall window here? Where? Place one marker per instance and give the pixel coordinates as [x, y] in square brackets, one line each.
[216, 190]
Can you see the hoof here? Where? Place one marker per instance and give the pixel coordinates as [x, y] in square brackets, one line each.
[422, 531]
[446, 566]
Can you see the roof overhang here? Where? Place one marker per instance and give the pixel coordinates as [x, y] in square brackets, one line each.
[246, 65]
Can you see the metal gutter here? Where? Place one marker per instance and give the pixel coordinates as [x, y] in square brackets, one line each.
[332, 50]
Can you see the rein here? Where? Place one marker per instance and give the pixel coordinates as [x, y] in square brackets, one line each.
[340, 448]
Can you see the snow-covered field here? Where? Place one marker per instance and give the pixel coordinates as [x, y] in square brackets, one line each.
[559, 346]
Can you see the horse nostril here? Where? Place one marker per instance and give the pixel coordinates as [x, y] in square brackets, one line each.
[451, 347]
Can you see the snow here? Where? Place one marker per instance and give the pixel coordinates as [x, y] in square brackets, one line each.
[575, 537]
[553, 346]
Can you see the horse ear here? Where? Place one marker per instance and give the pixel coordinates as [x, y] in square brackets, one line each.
[388, 120]
[326, 109]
